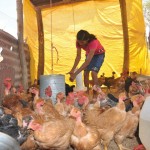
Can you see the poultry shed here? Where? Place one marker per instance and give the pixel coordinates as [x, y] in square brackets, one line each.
[38, 123]
[49, 29]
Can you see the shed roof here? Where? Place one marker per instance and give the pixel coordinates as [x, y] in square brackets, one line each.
[49, 3]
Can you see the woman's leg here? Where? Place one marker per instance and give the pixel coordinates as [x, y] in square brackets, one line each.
[94, 67]
[95, 82]
[94, 78]
[86, 79]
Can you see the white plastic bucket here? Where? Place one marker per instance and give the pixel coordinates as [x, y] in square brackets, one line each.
[144, 124]
[55, 81]
[79, 83]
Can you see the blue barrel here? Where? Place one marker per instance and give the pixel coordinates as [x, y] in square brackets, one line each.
[55, 81]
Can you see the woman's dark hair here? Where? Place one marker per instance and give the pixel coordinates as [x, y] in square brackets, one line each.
[83, 35]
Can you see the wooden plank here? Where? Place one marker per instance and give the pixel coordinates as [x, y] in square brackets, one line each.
[39, 3]
[21, 43]
[41, 43]
[49, 3]
[125, 35]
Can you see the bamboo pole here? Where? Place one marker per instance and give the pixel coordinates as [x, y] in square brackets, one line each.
[125, 35]
[41, 42]
[21, 43]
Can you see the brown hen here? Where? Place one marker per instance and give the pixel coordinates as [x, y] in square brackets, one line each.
[84, 137]
[129, 127]
[53, 134]
[110, 121]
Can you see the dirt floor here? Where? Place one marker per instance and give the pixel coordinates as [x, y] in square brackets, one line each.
[128, 143]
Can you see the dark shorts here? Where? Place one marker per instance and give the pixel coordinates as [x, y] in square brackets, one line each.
[96, 63]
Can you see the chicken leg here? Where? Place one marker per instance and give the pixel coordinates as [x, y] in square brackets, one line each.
[121, 147]
[105, 147]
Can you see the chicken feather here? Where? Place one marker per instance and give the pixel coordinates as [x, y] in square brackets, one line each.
[109, 122]
[54, 134]
[84, 137]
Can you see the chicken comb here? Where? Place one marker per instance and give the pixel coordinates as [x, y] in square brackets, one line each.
[7, 83]
[69, 101]
[7, 79]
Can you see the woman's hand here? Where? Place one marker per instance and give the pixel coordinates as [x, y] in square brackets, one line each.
[72, 77]
[70, 72]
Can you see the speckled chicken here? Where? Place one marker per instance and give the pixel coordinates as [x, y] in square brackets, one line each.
[9, 125]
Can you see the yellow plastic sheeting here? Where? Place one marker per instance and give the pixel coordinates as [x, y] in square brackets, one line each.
[31, 35]
[102, 18]
[139, 59]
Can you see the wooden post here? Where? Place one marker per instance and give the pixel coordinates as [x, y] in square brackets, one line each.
[21, 44]
[125, 35]
[41, 42]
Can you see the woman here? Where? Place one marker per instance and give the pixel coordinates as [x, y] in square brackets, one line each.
[95, 54]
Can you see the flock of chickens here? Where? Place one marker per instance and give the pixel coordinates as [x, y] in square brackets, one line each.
[75, 122]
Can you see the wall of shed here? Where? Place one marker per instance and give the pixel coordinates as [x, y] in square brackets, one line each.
[10, 66]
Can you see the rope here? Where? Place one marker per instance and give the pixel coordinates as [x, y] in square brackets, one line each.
[73, 16]
[52, 46]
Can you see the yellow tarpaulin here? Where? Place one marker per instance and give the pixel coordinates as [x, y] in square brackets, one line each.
[102, 18]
